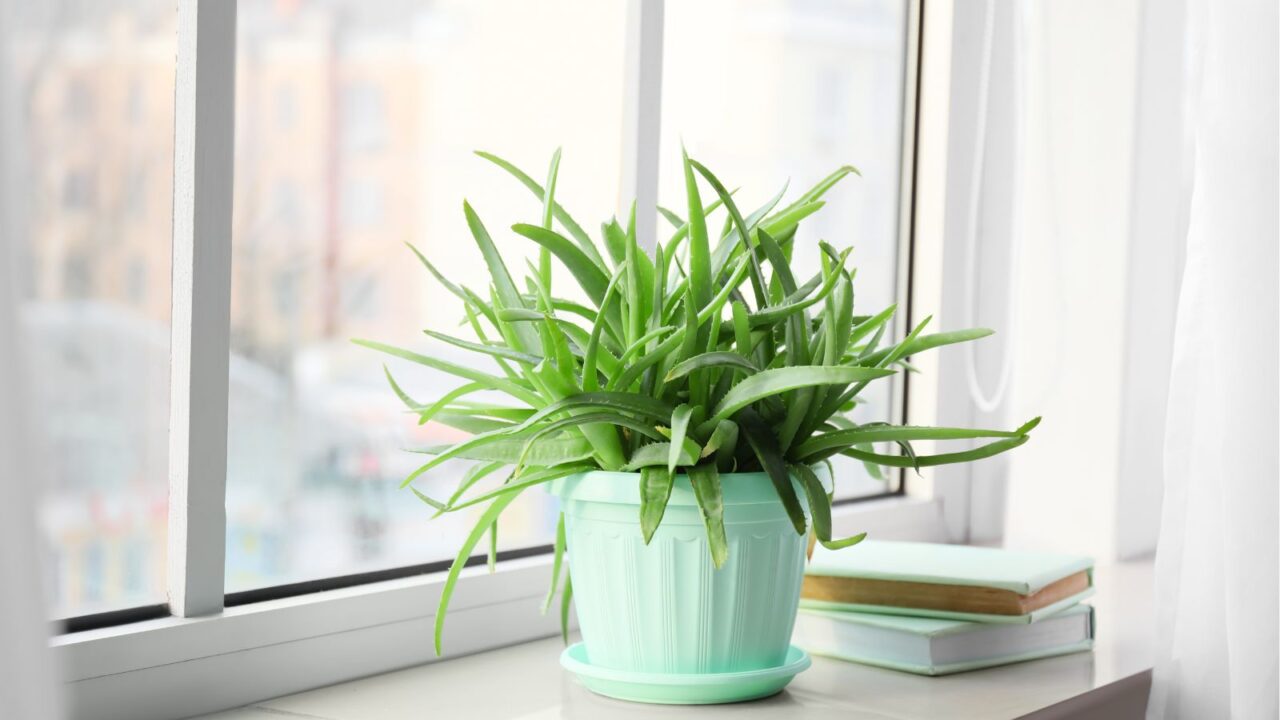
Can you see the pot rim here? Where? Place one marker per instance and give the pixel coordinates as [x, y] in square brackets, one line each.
[623, 488]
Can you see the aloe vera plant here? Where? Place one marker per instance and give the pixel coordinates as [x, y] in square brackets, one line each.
[705, 356]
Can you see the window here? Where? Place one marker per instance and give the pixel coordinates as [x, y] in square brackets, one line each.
[355, 125]
[94, 313]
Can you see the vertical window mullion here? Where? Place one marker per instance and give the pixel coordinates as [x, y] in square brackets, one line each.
[202, 189]
[642, 116]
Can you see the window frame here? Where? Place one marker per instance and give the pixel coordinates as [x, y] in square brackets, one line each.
[155, 661]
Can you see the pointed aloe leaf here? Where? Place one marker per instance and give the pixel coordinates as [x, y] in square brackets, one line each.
[929, 342]
[978, 453]
[400, 393]
[464, 552]
[699, 246]
[498, 274]
[664, 349]
[579, 421]
[682, 233]
[841, 543]
[495, 448]
[439, 506]
[655, 490]
[658, 454]
[796, 303]
[497, 351]
[556, 561]
[473, 475]
[548, 207]
[493, 545]
[541, 477]
[590, 276]
[744, 231]
[712, 359]
[491, 382]
[566, 600]
[706, 488]
[468, 423]
[469, 299]
[871, 324]
[819, 500]
[723, 441]
[593, 353]
[768, 383]
[679, 429]
[765, 446]
[785, 222]
[893, 433]
[615, 241]
[821, 188]
[561, 215]
[676, 221]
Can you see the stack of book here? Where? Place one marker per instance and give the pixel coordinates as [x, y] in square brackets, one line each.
[939, 609]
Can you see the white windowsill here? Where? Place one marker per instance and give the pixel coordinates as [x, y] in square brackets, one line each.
[525, 681]
[178, 667]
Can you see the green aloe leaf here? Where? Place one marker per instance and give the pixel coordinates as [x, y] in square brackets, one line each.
[561, 215]
[978, 453]
[491, 382]
[541, 477]
[473, 475]
[768, 383]
[498, 351]
[556, 561]
[679, 429]
[699, 245]
[894, 433]
[928, 342]
[500, 277]
[575, 421]
[723, 441]
[464, 553]
[655, 490]
[765, 447]
[819, 500]
[592, 277]
[660, 452]
[566, 600]
[706, 488]
[400, 393]
[725, 359]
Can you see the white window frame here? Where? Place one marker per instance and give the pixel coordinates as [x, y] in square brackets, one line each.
[204, 656]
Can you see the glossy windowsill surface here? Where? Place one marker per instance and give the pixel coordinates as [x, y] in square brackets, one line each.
[525, 681]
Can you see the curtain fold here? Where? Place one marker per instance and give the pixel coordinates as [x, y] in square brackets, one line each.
[1218, 553]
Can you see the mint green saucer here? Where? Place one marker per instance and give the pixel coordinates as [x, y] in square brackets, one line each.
[683, 689]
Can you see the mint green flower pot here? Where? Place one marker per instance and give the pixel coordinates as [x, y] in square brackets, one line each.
[663, 607]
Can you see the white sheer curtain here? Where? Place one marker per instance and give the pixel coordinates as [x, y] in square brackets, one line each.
[1216, 564]
[27, 684]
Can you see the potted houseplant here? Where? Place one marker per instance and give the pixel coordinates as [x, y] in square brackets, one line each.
[684, 418]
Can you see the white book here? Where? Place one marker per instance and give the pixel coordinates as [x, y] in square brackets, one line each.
[933, 646]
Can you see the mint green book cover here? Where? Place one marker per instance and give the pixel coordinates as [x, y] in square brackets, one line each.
[1019, 571]
[986, 652]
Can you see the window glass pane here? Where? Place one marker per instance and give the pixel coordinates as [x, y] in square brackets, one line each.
[789, 90]
[356, 123]
[86, 147]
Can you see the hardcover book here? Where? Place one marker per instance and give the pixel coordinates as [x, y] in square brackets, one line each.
[932, 646]
[959, 582]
